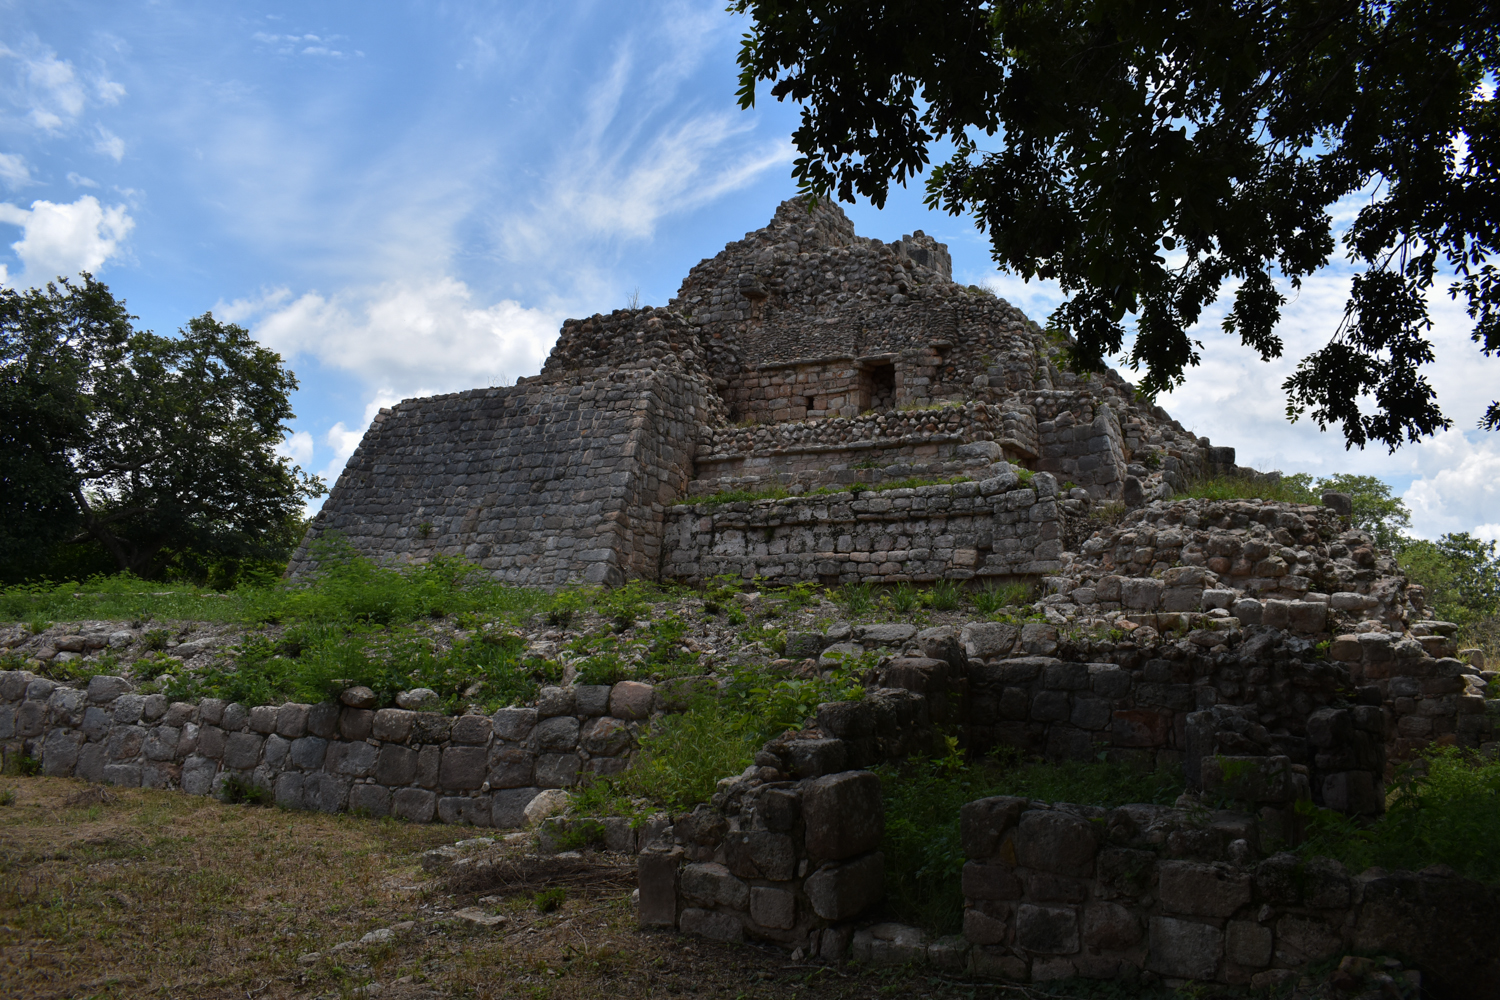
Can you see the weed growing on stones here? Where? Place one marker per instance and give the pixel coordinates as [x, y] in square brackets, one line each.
[942, 596]
[856, 598]
[995, 596]
[237, 790]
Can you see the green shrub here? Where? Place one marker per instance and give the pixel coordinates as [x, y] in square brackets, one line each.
[1449, 815]
[683, 756]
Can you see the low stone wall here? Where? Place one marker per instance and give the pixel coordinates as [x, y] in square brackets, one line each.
[420, 766]
[1054, 891]
[1000, 526]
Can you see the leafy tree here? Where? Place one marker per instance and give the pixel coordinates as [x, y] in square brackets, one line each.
[1385, 517]
[1460, 573]
[1144, 155]
[139, 443]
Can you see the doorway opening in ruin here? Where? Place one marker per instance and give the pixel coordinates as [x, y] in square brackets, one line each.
[877, 386]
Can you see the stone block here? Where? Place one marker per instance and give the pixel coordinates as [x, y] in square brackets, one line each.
[416, 805]
[711, 885]
[1047, 930]
[656, 878]
[554, 701]
[1247, 943]
[557, 770]
[605, 736]
[263, 719]
[370, 800]
[103, 688]
[1182, 599]
[760, 854]
[356, 723]
[1110, 927]
[511, 767]
[843, 892]
[242, 752]
[1307, 616]
[814, 758]
[393, 725]
[464, 767]
[556, 734]
[990, 881]
[982, 928]
[1056, 842]
[983, 823]
[888, 944]
[508, 807]
[1300, 940]
[844, 815]
[1248, 610]
[1141, 593]
[1355, 793]
[60, 753]
[712, 925]
[464, 809]
[291, 720]
[847, 719]
[1185, 949]
[325, 792]
[988, 640]
[805, 645]
[1202, 890]
[322, 719]
[631, 700]
[396, 765]
[288, 790]
[592, 699]
[514, 724]
[198, 775]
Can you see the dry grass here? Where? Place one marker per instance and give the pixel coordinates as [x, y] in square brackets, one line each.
[131, 892]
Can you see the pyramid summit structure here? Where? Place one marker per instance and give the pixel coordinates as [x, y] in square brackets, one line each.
[802, 359]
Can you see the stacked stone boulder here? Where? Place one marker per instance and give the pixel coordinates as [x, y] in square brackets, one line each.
[482, 770]
[1053, 891]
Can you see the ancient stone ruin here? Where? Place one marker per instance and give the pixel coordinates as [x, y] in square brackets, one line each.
[1269, 650]
[802, 356]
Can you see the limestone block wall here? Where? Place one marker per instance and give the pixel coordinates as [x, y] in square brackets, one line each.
[885, 438]
[420, 766]
[543, 483]
[997, 527]
[792, 862]
[1053, 890]
[1080, 442]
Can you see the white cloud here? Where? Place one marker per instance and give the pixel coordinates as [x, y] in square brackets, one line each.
[78, 180]
[109, 144]
[65, 239]
[13, 170]
[109, 92]
[1461, 490]
[412, 337]
[298, 446]
[47, 87]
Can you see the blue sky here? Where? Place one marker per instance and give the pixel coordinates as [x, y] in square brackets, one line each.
[407, 198]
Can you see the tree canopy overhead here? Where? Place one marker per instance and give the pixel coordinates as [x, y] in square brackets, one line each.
[137, 442]
[1145, 154]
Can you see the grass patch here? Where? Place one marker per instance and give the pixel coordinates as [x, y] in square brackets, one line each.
[923, 797]
[1286, 489]
[1445, 810]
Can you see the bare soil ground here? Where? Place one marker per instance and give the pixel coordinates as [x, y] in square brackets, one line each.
[134, 892]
